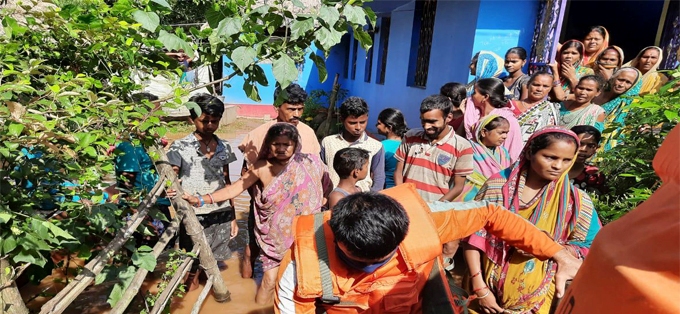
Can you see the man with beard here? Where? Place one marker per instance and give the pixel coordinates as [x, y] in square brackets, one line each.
[292, 100]
[435, 159]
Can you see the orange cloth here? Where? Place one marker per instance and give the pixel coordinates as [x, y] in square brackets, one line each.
[252, 142]
[634, 263]
[404, 275]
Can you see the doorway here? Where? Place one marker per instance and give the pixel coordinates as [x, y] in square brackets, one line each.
[632, 25]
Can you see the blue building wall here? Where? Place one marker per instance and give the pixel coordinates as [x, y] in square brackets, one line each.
[308, 79]
[461, 28]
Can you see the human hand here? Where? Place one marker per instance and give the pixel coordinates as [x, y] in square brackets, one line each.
[568, 71]
[488, 302]
[567, 267]
[234, 229]
[604, 72]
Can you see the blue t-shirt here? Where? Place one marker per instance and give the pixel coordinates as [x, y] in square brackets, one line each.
[390, 147]
[135, 159]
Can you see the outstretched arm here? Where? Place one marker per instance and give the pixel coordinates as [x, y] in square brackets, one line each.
[468, 217]
[228, 192]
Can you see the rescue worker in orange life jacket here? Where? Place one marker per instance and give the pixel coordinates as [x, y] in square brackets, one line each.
[379, 253]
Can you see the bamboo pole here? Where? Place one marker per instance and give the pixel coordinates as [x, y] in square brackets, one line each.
[63, 299]
[166, 295]
[10, 298]
[332, 99]
[193, 227]
[140, 275]
[202, 296]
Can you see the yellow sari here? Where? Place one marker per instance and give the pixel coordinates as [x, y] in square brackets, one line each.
[522, 283]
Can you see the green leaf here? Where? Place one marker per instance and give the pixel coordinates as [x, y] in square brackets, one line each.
[144, 260]
[257, 74]
[15, 129]
[32, 257]
[354, 14]
[149, 20]
[320, 64]
[56, 231]
[172, 42]
[115, 295]
[5, 217]
[298, 4]
[328, 38]
[192, 105]
[364, 38]
[285, 71]
[8, 245]
[671, 115]
[330, 15]
[251, 90]
[300, 27]
[243, 57]
[263, 9]
[372, 17]
[85, 139]
[229, 26]
[163, 3]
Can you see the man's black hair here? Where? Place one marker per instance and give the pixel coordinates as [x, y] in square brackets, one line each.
[353, 106]
[588, 129]
[369, 225]
[434, 102]
[294, 94]
[349, 159]
[209, 104]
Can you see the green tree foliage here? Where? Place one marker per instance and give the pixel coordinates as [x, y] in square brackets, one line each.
[628, 166]
[66, 81]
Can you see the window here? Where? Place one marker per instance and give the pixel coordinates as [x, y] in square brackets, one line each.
[355, 45]
[421, 42]
[368, 66]
[382, 48]
[346, 43]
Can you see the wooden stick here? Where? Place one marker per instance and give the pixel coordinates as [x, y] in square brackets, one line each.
[166, 295]
[140, 275]
[10, 298]
[202, 296]
[63, 299]
[193, 227]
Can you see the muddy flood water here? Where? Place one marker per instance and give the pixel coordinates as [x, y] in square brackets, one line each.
[93, 299]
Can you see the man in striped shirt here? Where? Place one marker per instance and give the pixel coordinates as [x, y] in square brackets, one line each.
[435, 158]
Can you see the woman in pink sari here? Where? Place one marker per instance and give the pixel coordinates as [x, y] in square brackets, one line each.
[489, 98]
[287, 183]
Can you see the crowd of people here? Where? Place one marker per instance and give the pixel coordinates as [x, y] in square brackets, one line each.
[500, 168]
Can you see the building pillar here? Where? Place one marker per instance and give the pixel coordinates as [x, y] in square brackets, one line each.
[547, 30]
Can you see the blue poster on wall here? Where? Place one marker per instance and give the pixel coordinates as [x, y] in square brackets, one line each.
[495, 40]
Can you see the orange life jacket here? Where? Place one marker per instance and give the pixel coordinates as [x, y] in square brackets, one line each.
[396, 287]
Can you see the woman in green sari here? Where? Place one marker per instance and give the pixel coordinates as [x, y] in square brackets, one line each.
[616, 99]
[568, 69]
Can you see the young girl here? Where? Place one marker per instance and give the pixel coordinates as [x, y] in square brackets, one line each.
[488, 98]
[581, 110]
[516, 80]
[287, 183]
[568, 69]
[456, 92]
[351, 165]
[489, 155]
[506, 279]
[392, 125]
